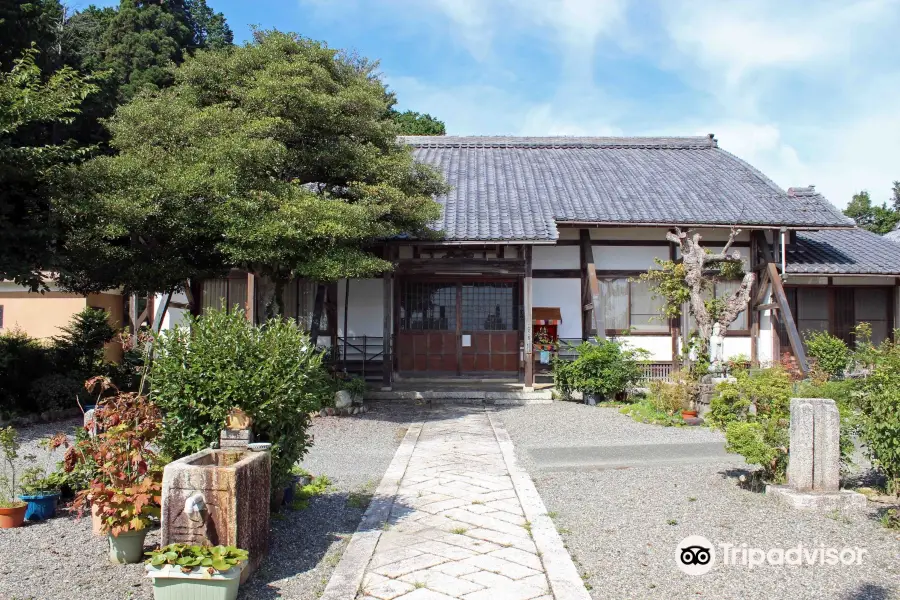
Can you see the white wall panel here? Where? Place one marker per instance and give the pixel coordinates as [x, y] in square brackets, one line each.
[565, 294]
[659, 346]
[628, 258]
[366, 310]
[556, 257]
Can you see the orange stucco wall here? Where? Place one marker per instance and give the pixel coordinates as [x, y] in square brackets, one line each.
[42, 315]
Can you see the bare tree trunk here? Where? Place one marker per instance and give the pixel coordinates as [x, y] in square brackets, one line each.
[696, 259]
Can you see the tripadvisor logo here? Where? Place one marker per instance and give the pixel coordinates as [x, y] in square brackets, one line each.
[696, 555]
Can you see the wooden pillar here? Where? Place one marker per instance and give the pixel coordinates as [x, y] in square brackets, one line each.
[250, 302]
[387, 362]
[592, 284]
[133, 316]
[528, 301]
[346, 322]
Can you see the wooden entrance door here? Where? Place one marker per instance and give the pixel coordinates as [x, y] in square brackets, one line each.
[458, 328]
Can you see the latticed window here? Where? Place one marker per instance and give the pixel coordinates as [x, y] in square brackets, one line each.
[488, 307]
[428, 306]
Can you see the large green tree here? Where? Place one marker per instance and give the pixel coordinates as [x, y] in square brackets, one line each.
[280, 157]
[413, 123]
[28, 103]
[877, 219]
[24, 23]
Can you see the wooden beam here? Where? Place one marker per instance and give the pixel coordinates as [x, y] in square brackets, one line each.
[556, 273]
[160, 313]
[528, 301]
[593, 284]
[769, 306]
[250, 300]
[788, 318]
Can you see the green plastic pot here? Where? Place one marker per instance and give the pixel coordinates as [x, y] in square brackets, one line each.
[170, 583]
[127, 547]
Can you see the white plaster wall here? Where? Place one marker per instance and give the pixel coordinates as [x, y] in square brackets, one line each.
[556, 257]
[736, 345]
[655, 233]
[659, 346]
[564, 293]
[366, 310]
[628, 258]
[174, 316]
[863, 280]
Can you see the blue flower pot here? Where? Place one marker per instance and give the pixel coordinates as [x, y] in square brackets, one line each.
[40, 506]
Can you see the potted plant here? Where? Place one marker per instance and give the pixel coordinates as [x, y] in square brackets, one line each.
[186, 572]
[603, 369]
[12, 511]
[125, 515]
[125, 493]
[41, 492]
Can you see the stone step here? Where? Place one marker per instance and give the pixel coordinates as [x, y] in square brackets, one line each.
[462, 397]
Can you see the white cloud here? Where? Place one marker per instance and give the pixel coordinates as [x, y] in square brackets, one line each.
[737, 37]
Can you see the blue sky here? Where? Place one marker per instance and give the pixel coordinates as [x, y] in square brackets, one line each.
[806, 90]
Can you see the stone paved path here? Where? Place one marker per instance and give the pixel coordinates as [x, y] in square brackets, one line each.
[457, 528]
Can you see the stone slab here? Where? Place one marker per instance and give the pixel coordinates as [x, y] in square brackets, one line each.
[840, 500]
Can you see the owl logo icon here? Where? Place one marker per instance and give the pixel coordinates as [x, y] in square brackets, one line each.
[695, 555]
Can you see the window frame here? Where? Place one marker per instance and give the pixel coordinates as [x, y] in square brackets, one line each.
[747, 332]
[667, 323]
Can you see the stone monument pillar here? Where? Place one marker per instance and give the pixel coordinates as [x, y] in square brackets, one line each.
[814, 460]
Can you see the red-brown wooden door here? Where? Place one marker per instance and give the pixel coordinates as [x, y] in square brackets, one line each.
[458, 328]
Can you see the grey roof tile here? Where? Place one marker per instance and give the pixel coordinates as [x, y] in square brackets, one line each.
[518, 188]
[843, 252]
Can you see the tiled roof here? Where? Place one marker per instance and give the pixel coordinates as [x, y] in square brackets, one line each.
[843, 252]
[894, 235]
[519, 188]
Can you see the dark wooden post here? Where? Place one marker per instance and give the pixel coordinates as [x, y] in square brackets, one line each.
[592, 284]
[387, 363]
[346, 316]
[250, 302]
[529, 321]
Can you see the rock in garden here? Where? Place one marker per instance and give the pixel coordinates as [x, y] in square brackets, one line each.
[342, 399]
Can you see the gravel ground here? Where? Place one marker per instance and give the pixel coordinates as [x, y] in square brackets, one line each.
[62, 560]
[622, 525]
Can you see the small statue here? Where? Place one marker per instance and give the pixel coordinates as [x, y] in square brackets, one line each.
[717, 350]
[238, 419]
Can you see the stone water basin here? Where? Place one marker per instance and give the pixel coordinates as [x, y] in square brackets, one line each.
[219, 497]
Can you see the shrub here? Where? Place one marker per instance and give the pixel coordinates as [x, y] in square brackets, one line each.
[671, 397]
[602, 367]
[754, 411]
[56, 390]
[832, 355]
[36, 376]
[80, 347]
[22, 361]
[880, 414]
[220, 361]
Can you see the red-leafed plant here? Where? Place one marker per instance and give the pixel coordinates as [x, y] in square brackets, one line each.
[126, 487]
